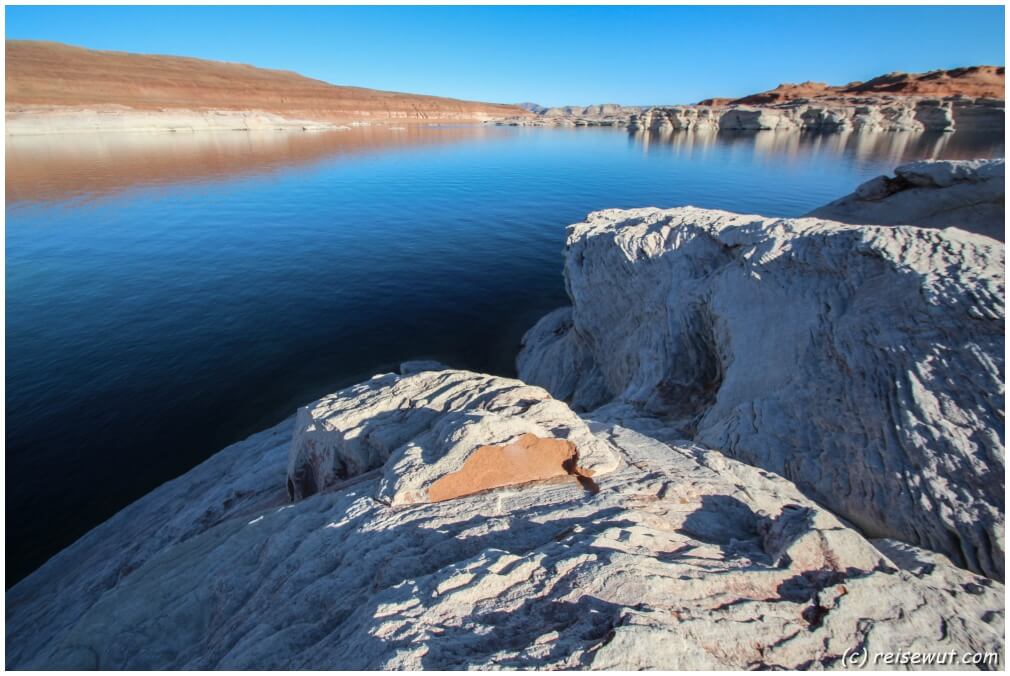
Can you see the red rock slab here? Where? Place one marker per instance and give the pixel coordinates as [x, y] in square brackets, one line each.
[528, 459]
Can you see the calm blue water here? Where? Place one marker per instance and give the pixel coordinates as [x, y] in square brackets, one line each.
[169, 295]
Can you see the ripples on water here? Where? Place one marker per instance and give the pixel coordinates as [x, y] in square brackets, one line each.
[170, 294]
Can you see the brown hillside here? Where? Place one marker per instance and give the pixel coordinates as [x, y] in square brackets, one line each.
[976, 82]
[973, 82]
[48, 73]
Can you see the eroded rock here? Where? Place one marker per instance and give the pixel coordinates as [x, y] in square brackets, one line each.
[864, 363]
[966, 194]
[683, 559]
[427, 426]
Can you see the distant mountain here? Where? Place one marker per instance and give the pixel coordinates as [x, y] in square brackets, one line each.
[534, 108]
[41, 74]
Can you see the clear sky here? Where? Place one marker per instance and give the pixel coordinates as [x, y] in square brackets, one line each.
[548, 55]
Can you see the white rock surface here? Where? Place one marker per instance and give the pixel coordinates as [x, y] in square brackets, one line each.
[864, 363]
[423, 427]
[860, 113]
[26, 121]
[966, 194]
[683, 559]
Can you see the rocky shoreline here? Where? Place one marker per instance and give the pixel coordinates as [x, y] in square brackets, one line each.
[869, 114]
[45, 120]
[967, 99]
[760, 443]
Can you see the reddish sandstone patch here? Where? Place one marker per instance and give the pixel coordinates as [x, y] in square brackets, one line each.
[530, 458]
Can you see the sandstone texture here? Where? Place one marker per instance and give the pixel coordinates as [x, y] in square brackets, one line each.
[966, 194]
[425, 427]
[51, 87]
[682, 558]
[866, 364]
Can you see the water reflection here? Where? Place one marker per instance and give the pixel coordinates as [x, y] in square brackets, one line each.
[55, 167]
[88, 166]
[893, 148]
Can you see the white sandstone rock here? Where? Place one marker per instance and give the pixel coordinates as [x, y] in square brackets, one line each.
[683, 559]
[864, 363]
[26, 121]
[753, 119]
[966, 194]
[935, 115]
[423, 427]
[879, 113]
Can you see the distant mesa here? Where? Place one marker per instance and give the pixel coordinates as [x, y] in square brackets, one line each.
[787, 92]
[56, 87]
[970, 98]
[974, 82]
[715, 102]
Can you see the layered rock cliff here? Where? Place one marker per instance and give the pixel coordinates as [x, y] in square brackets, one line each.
[760, 443]
[969, 99]
[970, 82]
[52, 87]
[848, 114]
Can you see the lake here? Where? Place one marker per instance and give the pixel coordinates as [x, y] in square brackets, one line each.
[170, 294]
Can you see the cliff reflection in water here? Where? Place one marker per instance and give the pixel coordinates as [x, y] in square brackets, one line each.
[60, 166]
[894, 148]
[88, 166]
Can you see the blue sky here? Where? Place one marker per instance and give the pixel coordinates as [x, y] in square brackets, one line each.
[549, 55]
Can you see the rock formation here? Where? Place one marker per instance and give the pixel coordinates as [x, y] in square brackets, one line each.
[862, 114]
[961, 194]
[444, 519]
[599, 115]
[869, 114]
[863, 363]
[970, 99]
[424, 428]
[54, 88]
[972, 82]
[681, 558]
[38, 120]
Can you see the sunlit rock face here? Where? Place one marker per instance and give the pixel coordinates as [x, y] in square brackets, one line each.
[966, 194]
[679, 558]
[864, 363]
[425, 427]
[865, 114]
